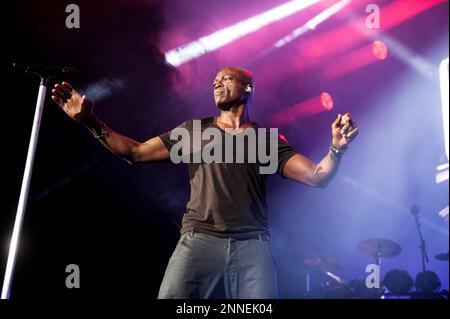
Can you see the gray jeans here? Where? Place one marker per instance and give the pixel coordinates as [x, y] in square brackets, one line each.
[201, 261]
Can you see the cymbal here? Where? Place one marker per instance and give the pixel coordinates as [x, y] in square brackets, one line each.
[322, 263]
[387, 248]
[443, 256]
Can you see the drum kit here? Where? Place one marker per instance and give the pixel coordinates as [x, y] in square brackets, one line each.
[323, 281]
[396, 283]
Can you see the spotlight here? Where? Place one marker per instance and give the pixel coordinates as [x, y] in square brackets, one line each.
[326, 100]
[427, 281]
[398, 281]
[379, 50]
[218, 39]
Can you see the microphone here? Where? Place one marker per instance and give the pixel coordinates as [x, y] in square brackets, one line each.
[44, 70]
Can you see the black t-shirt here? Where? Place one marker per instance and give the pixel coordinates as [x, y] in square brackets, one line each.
[227, 199]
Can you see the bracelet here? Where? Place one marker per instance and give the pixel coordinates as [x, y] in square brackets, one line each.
[337, 152]
[103, 135]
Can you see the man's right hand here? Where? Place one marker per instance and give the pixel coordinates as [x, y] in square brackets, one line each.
[76, 106]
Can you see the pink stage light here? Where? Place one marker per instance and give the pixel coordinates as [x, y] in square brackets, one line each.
[315, 105]
[348, 35]
[379, 50]
[326, 100]
[356, 59]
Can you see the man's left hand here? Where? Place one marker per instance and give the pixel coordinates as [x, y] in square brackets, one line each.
[344, 131]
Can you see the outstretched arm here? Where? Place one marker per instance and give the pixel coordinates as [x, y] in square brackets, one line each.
[80, 109]
[301, 169]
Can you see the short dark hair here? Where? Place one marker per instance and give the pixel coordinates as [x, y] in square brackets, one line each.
[246, 75]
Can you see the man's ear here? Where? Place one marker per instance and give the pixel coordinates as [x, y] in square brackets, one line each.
[248, 89]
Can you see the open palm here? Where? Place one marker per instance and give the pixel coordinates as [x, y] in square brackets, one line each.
[76, 106]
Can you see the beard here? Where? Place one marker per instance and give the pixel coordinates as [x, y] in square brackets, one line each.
[225, 105]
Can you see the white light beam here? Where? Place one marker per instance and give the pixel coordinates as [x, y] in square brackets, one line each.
[213, 41]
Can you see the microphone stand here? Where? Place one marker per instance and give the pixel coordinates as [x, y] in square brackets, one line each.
[6, 289]
[415, 213]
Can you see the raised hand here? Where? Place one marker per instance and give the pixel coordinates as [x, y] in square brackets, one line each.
[344, 131]
[76, 106]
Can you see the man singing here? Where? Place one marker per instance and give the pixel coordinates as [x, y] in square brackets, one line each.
[224, 235]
